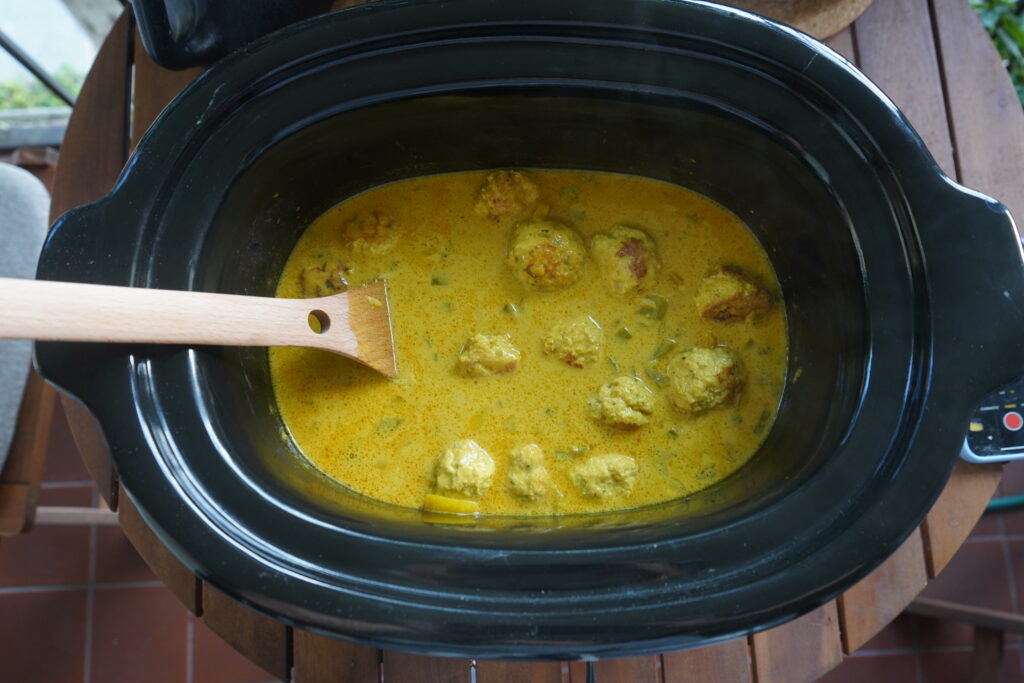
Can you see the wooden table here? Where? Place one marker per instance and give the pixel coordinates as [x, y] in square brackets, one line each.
[931, 56]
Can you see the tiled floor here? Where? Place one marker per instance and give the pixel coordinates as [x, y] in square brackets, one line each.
[77, 604]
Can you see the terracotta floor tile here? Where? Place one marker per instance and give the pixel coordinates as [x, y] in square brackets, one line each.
[139, 634]
[955, 667]
[976, 576]
[1013, 485]
[42, 636]
[62, 460]
[900, 634]
[990, 524]
[49, 555]
[1013, 479]
[218, 662]
[116, 558]
[1013, 521]
[895, 668]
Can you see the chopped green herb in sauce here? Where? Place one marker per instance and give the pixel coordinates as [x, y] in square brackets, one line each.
[653, 306]
[664, 348]
[389, 424]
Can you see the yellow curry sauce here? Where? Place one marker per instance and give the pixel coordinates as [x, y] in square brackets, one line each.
[450, 260]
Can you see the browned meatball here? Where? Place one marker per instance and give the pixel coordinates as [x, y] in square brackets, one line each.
[370, 232]
[546, 255]
[323, 280]
[702, 378]
[506, 194]
[726, 295]
[627, 259]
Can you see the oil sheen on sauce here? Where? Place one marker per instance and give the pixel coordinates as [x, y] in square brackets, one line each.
[447, 264]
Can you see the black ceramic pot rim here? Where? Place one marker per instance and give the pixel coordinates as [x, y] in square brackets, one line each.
[611, 619]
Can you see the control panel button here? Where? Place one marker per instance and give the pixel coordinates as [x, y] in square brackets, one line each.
[996, 430]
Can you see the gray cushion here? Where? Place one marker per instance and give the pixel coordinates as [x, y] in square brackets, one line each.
[24, 215]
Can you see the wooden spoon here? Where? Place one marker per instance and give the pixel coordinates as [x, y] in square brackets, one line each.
[356, 323]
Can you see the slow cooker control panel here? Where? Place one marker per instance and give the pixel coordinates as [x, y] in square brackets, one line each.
[996, 432]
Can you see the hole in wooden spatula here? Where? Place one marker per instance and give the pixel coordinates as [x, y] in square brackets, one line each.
[319, 321]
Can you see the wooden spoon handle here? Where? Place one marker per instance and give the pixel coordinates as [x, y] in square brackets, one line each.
[65, 311]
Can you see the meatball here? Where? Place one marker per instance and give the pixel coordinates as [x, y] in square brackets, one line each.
[625, 402]
[575, 341]
[506, 194]
[546, 255]
[527, 476]
[325, 279]
[483, 355]
[727, 295]
[627, 259]
[702, 378]
[371, 232]
[604, 475]
[465, 469]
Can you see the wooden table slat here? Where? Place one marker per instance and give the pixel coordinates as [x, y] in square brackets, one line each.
[32, 427]
[957, 510]
[907, 69]
[86, 172]
[728, 661]
[92, 447]
[15, 500]
[878, 598]
[26, 456]
[319, 659]
[404, 666]
[518, 672]
[985, 112]
[176, 576]
[264, 641]
[631, 669]
[800, 650]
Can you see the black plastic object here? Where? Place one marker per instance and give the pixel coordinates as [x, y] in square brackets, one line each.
[179, 34]
[997, 428]
[902, 292]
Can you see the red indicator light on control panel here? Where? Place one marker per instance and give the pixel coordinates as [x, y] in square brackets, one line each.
[1013, 421]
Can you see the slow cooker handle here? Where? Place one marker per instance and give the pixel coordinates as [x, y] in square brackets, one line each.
[91, 243]
[997, 429]
[975, 263]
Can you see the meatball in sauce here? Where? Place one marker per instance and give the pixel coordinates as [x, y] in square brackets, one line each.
[545, 255]
[627, 259]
